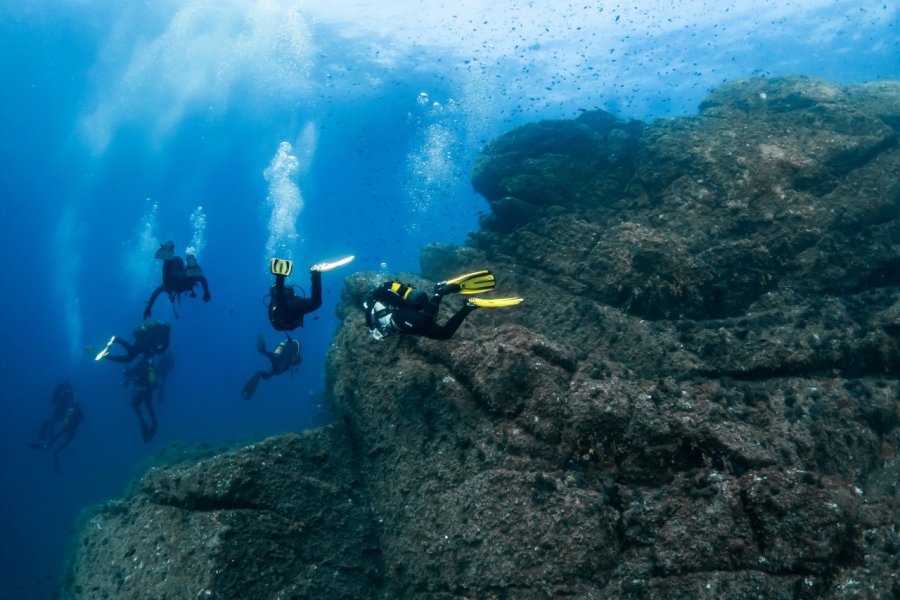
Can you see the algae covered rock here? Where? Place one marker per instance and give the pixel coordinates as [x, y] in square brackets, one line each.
[281, 518]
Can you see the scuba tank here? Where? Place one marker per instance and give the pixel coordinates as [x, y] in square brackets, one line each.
[152, 375]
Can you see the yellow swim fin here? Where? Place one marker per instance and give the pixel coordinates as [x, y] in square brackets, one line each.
[494, 302]
[280, 266]
[322, 267]
[470, 283]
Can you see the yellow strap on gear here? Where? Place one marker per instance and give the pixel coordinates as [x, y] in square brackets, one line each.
[398, 288]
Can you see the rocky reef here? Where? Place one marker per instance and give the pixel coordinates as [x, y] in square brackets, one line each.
[698, 399]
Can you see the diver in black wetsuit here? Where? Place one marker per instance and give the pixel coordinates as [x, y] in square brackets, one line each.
[285, 356]
[147, 375]
[71, 417]
[396, 307]
[63, 397]
[286, 308]
[179, 276]
[152, 337]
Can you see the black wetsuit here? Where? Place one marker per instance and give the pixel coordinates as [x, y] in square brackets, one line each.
[176, 281]
[286, 309]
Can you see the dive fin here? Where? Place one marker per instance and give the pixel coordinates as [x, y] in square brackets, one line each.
[494, 302]
[250, 387]
[471, 283]
[280, 266]
[322, 267]
[105, 351]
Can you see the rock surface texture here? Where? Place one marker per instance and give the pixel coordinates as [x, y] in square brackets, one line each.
[699, 397]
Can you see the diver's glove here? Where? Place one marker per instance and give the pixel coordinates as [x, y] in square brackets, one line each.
[147, 312]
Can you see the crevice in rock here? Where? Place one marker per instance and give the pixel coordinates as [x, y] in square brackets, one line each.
[208, 504]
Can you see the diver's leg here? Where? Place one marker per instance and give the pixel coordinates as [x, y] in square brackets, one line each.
[136, 402]
[148, 404]
[150, 431]
[47, 428]
[446, 331]
[69, 437]
[131, 352]
[127, 345]
[55, 437]
[433, 305]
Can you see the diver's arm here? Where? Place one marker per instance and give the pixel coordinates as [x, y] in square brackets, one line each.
[156, 292]
[315, 278]
[304, 306]
[279, 290]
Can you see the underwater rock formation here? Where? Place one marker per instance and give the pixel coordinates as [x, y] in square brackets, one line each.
[270, 520]
[698, 399]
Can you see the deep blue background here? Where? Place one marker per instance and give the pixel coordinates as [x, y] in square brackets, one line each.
[371, 188]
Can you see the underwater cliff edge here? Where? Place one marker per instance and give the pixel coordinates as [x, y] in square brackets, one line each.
[699, 397]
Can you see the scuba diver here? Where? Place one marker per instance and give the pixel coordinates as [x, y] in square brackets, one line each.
[72, 416]
[286, 309]
[285, 356]
[147, 375]
[396, 307]
[152, 337]
[179, 276]
[63, 397]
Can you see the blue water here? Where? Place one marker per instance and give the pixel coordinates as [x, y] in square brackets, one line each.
[122, 127]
